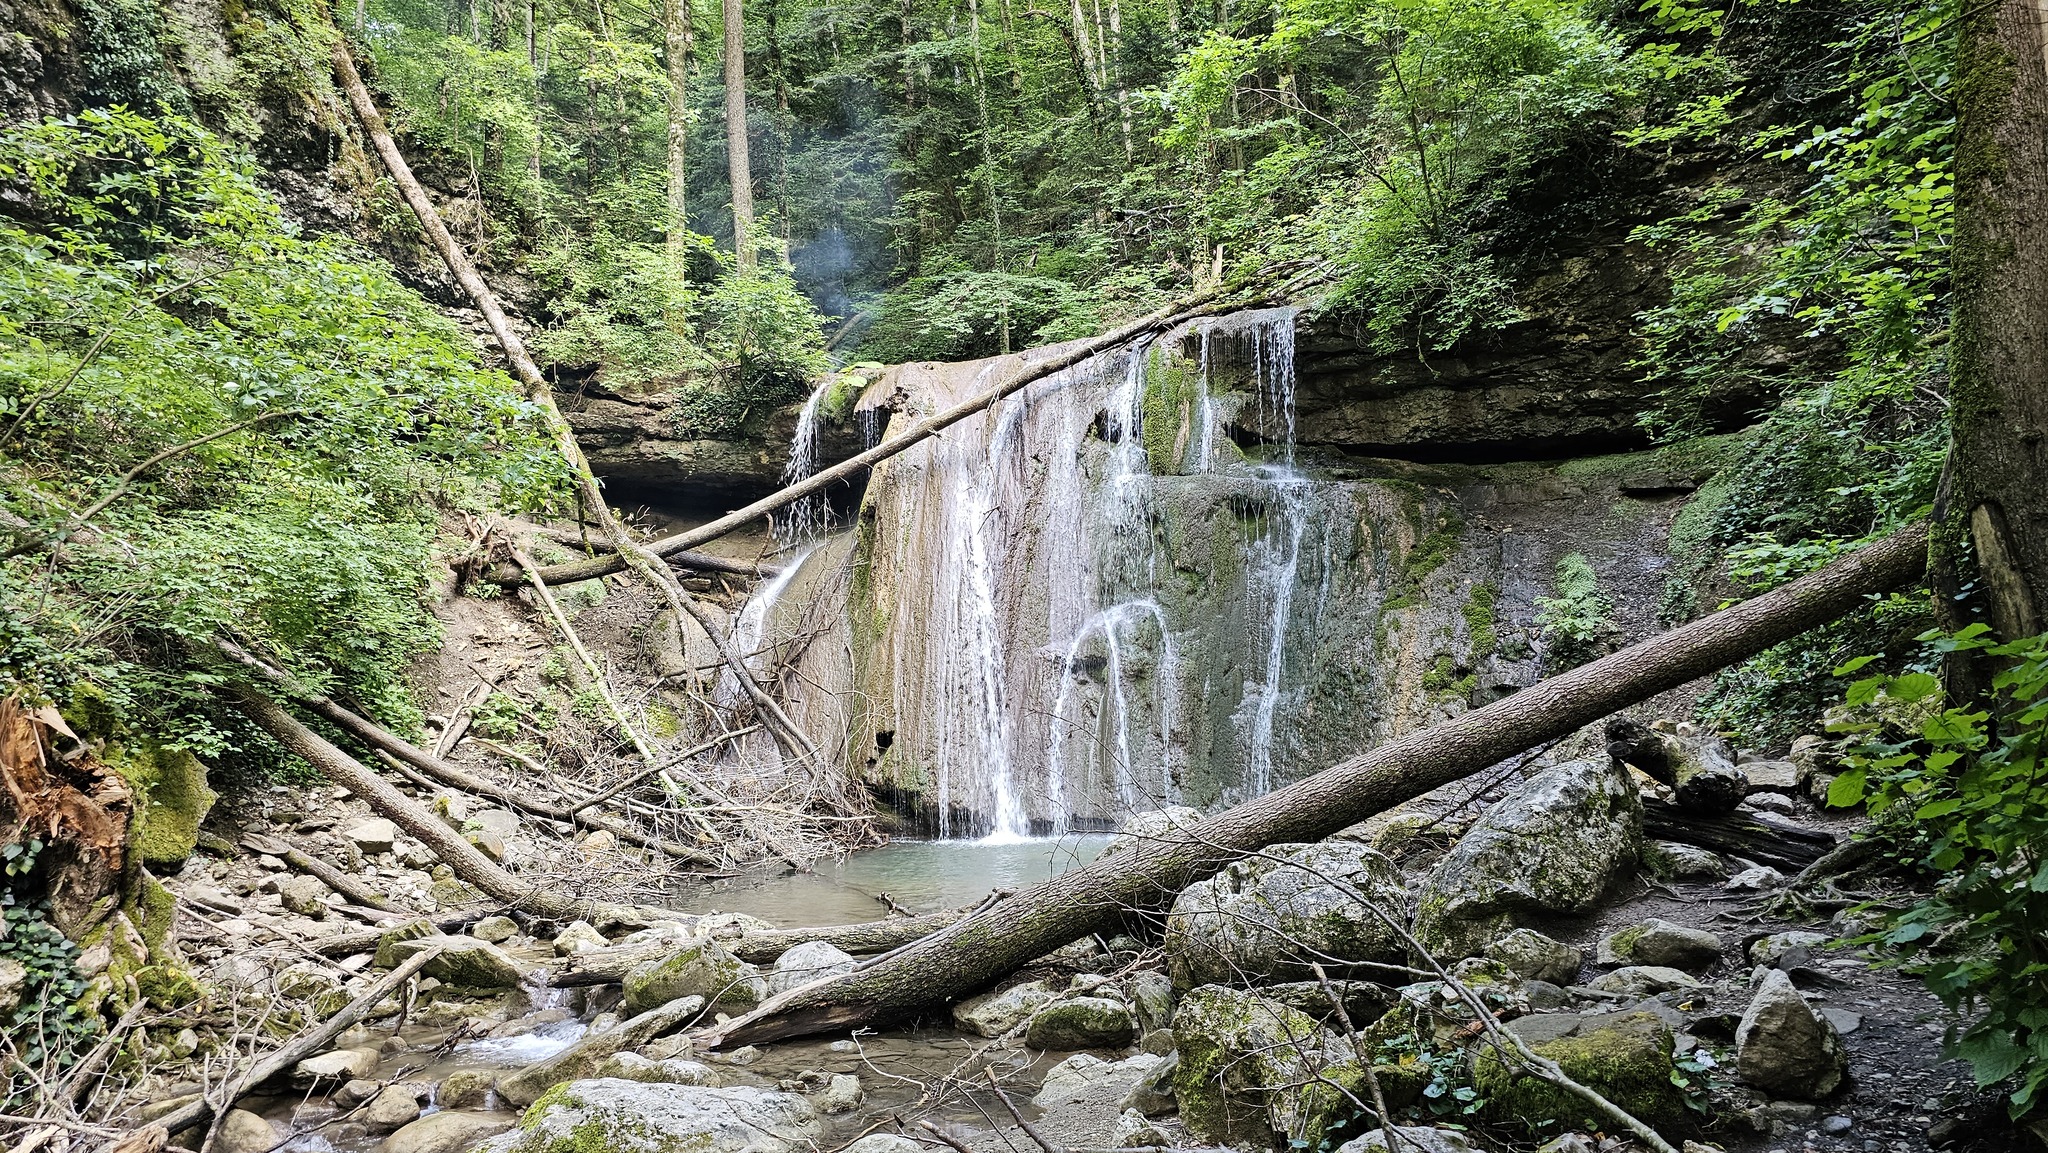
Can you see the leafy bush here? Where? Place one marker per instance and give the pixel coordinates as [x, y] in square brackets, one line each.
[1964, 789]
[1577, 623]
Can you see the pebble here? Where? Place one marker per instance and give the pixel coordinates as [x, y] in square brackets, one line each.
[1836, 1124]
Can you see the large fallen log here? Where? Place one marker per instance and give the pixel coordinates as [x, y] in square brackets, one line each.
[1765, 840]
[609, 966]
[1007, 934]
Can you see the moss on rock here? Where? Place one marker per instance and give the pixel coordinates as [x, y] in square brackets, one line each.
[1624, 1057]
[172, 798]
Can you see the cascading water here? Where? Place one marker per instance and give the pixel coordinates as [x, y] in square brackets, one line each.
[805, 519]
[1274, 558]
[751, 629]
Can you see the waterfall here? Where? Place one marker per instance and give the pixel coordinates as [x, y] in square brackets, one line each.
[752, 627]
[804, 519]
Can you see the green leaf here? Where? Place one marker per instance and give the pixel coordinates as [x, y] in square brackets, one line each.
[1846, 790]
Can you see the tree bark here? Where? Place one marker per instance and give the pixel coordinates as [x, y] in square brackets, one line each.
[1010, 932]
[739, 165]
[1999, 358]
[1197, 305]
[1767, 842]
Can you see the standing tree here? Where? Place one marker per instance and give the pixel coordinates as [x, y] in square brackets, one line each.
[2000, 358]
[736, 132]
[677, 41]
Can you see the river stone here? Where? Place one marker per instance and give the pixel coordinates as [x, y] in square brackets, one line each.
[1134, 1130]
[578, 937]
[1261, 920]
[1410, 1139]
[1678, 861]
[1153, 1093]
[1625, 1057]
[464, 961]
[884, 1143]
[244, 1132]
[1530, 954]
[631, 1117]
[1755, 880]
[1083, 1023]
[495, 929]
[375, 835]
[1141, 828]
[336, 1065]
[444, 1132]
[500, 823]
[994, 1014]
[1556, 844]
[810, 961]
[1645, 981]
[1785, 1048]
[303, 895]
[1152, 996]
[1660, 942]
[704, 969]
[842, 1094]
[1251, 1069]
[464, 1088]
[394, 1108]
[631, 1066]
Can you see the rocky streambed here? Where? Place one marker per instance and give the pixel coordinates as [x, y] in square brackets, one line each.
[1275, 1007]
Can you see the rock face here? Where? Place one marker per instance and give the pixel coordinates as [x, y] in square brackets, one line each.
[1248, 1070]
[1554, 845]
[1660, 942]
[1263, 921]
[1625, 1057]
[632, 1117]
[706, 969]
[810, 961]
[1786, 1048]
[1083, 1023]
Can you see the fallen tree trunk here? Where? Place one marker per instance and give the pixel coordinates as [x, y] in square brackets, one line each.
[1779, 844]
[1007, 934]
[348, 886]
[609, 966]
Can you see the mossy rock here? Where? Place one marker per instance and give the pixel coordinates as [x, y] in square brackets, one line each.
[1625, 1057]
[704, 970]
[1254, 1073]
[172, 798]
[613, 1115]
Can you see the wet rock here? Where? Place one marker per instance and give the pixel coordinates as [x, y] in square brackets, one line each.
[578, 1061]
[1755, 880]
[1554, 845]
[1261, 920]
[1133, 1130]
[1767, 950]
[632, 1117]
[578, 937]
[994, 1014]
[375, 835]
[1153, 1093]
[394, 1108]
[842, 1094]
[356, 1092]
[1625, 1057]
[1678, 861]
[1660, 942]
[495, 929]
[1250, 1070]
[1140, 828]
[336, 1065]
[1537, 957]
[1645, 981]
[669, 1071]
[463, 961]
[810, 961]
[1152, 996]
[704, 969]
[1785, 1048]
[1083, 1023]
[1418, 1138]
[884, 1143]
[444, 1132]
[464, 1089]
[244, 1132]
[304, 896]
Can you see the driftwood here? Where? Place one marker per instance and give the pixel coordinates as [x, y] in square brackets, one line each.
[1763, 839]
[980, 949]
[609, 966]
[343, 883]
[301, 1047]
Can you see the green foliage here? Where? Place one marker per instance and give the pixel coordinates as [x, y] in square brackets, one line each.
[216, 426]
[1963, 789]
[45, 1031]
[1578, 623]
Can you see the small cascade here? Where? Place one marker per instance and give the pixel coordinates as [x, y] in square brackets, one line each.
[806, 518]
[751, 629]
[1273, 560]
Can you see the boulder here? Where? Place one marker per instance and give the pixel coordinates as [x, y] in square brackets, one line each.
[495, 929]
[578, 937]
[244, 1132]
[336, 1065]
[994, 1014]
[1363, 1001]
[500, 823]
[842, 1094]
[172, 801]
[1134, 1130]
[810, 961]
[1088, 1085]
[1152, 996]
[1261, 920]
[375, 835]
[1660, 942]
[394, 1108]
[1138, 828]
[1410, 1139]
[1530, 954]
[632, 1117]
[1678, 861]
[1645, 981]
[702, 969]
[464, 1089]
[1771, 776]
[1083, 1023]
[1254, 1073]
[1554, 845]
[1153, 1093]
[464, 961]
[671, 1071]
[1755, 880]
[884, 1143]
[1625, 1057]
[304, 896]
[1767, 950]
[13, 982]
[443, 1132]
[1785, 1048]
[1698, 765]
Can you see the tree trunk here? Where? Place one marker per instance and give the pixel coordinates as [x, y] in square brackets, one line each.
[1999, 357]
[740, 167]
[1766, 841]
[678, 38]
[1008, 934]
